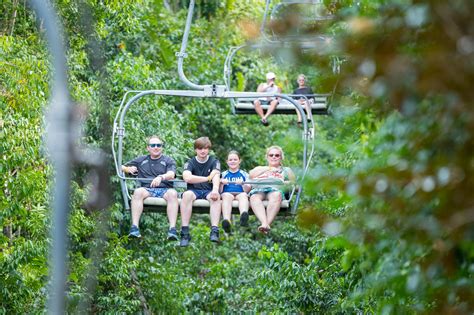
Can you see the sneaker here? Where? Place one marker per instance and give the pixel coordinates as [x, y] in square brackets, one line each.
[134, 232]
[185, 239]
[244, 219]
[214, 236]
[172, 234]
[226, 226]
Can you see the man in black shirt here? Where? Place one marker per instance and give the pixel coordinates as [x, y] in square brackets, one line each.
[202, 175]
[160, 168]
[303, 90]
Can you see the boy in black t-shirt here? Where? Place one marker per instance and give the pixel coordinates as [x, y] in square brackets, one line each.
[202, 175]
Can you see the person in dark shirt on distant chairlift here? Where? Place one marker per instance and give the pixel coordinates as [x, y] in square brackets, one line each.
[303, 90]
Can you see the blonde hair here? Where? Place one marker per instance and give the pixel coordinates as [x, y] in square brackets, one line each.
[300, 76]
[275, 147]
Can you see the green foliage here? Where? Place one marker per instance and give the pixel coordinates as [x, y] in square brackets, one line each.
[247, 272]
[23, 215]
[400, 181]
[389, 184]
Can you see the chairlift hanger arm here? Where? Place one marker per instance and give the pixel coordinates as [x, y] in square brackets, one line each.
[182, 54]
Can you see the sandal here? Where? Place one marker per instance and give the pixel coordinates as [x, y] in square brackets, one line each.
[263, 229]
[264, 122]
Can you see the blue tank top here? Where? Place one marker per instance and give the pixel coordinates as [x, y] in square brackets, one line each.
[233, 177]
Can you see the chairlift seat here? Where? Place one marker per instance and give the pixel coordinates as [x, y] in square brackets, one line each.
[155, 204]
[318, 102]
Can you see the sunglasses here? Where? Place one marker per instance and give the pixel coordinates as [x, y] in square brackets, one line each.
[155, 145]
[274, 155]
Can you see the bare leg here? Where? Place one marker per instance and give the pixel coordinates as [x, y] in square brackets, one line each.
[227, 205]
[274, 202]
[258, 108]
[307, 106]
[215, 211]
[137, 204]
[299, 115]
[298, 112]
[271, 109]
[243, 202]
[187, 207]
[256, 202]
[171, 198]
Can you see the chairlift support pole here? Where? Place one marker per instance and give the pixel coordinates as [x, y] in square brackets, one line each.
[63, 131]
[182, 53]
[212, 88]
[58, 142]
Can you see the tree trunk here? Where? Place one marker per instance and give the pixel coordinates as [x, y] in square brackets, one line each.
[13, 20]
[141, 297]
[7, 231]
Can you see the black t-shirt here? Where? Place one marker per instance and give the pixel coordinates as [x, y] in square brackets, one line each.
[151, 168]
[202, 169]
[302, 91]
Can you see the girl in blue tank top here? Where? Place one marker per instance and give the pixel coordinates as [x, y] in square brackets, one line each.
[233, 188]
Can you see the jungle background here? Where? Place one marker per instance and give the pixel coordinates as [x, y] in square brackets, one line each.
[386, 221]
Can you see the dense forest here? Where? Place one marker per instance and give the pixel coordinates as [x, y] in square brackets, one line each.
[386, 221]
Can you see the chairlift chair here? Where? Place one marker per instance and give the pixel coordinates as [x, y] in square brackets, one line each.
[319, 103]
[199, 206]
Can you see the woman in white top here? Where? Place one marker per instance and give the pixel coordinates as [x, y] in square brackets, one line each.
[267, 87]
